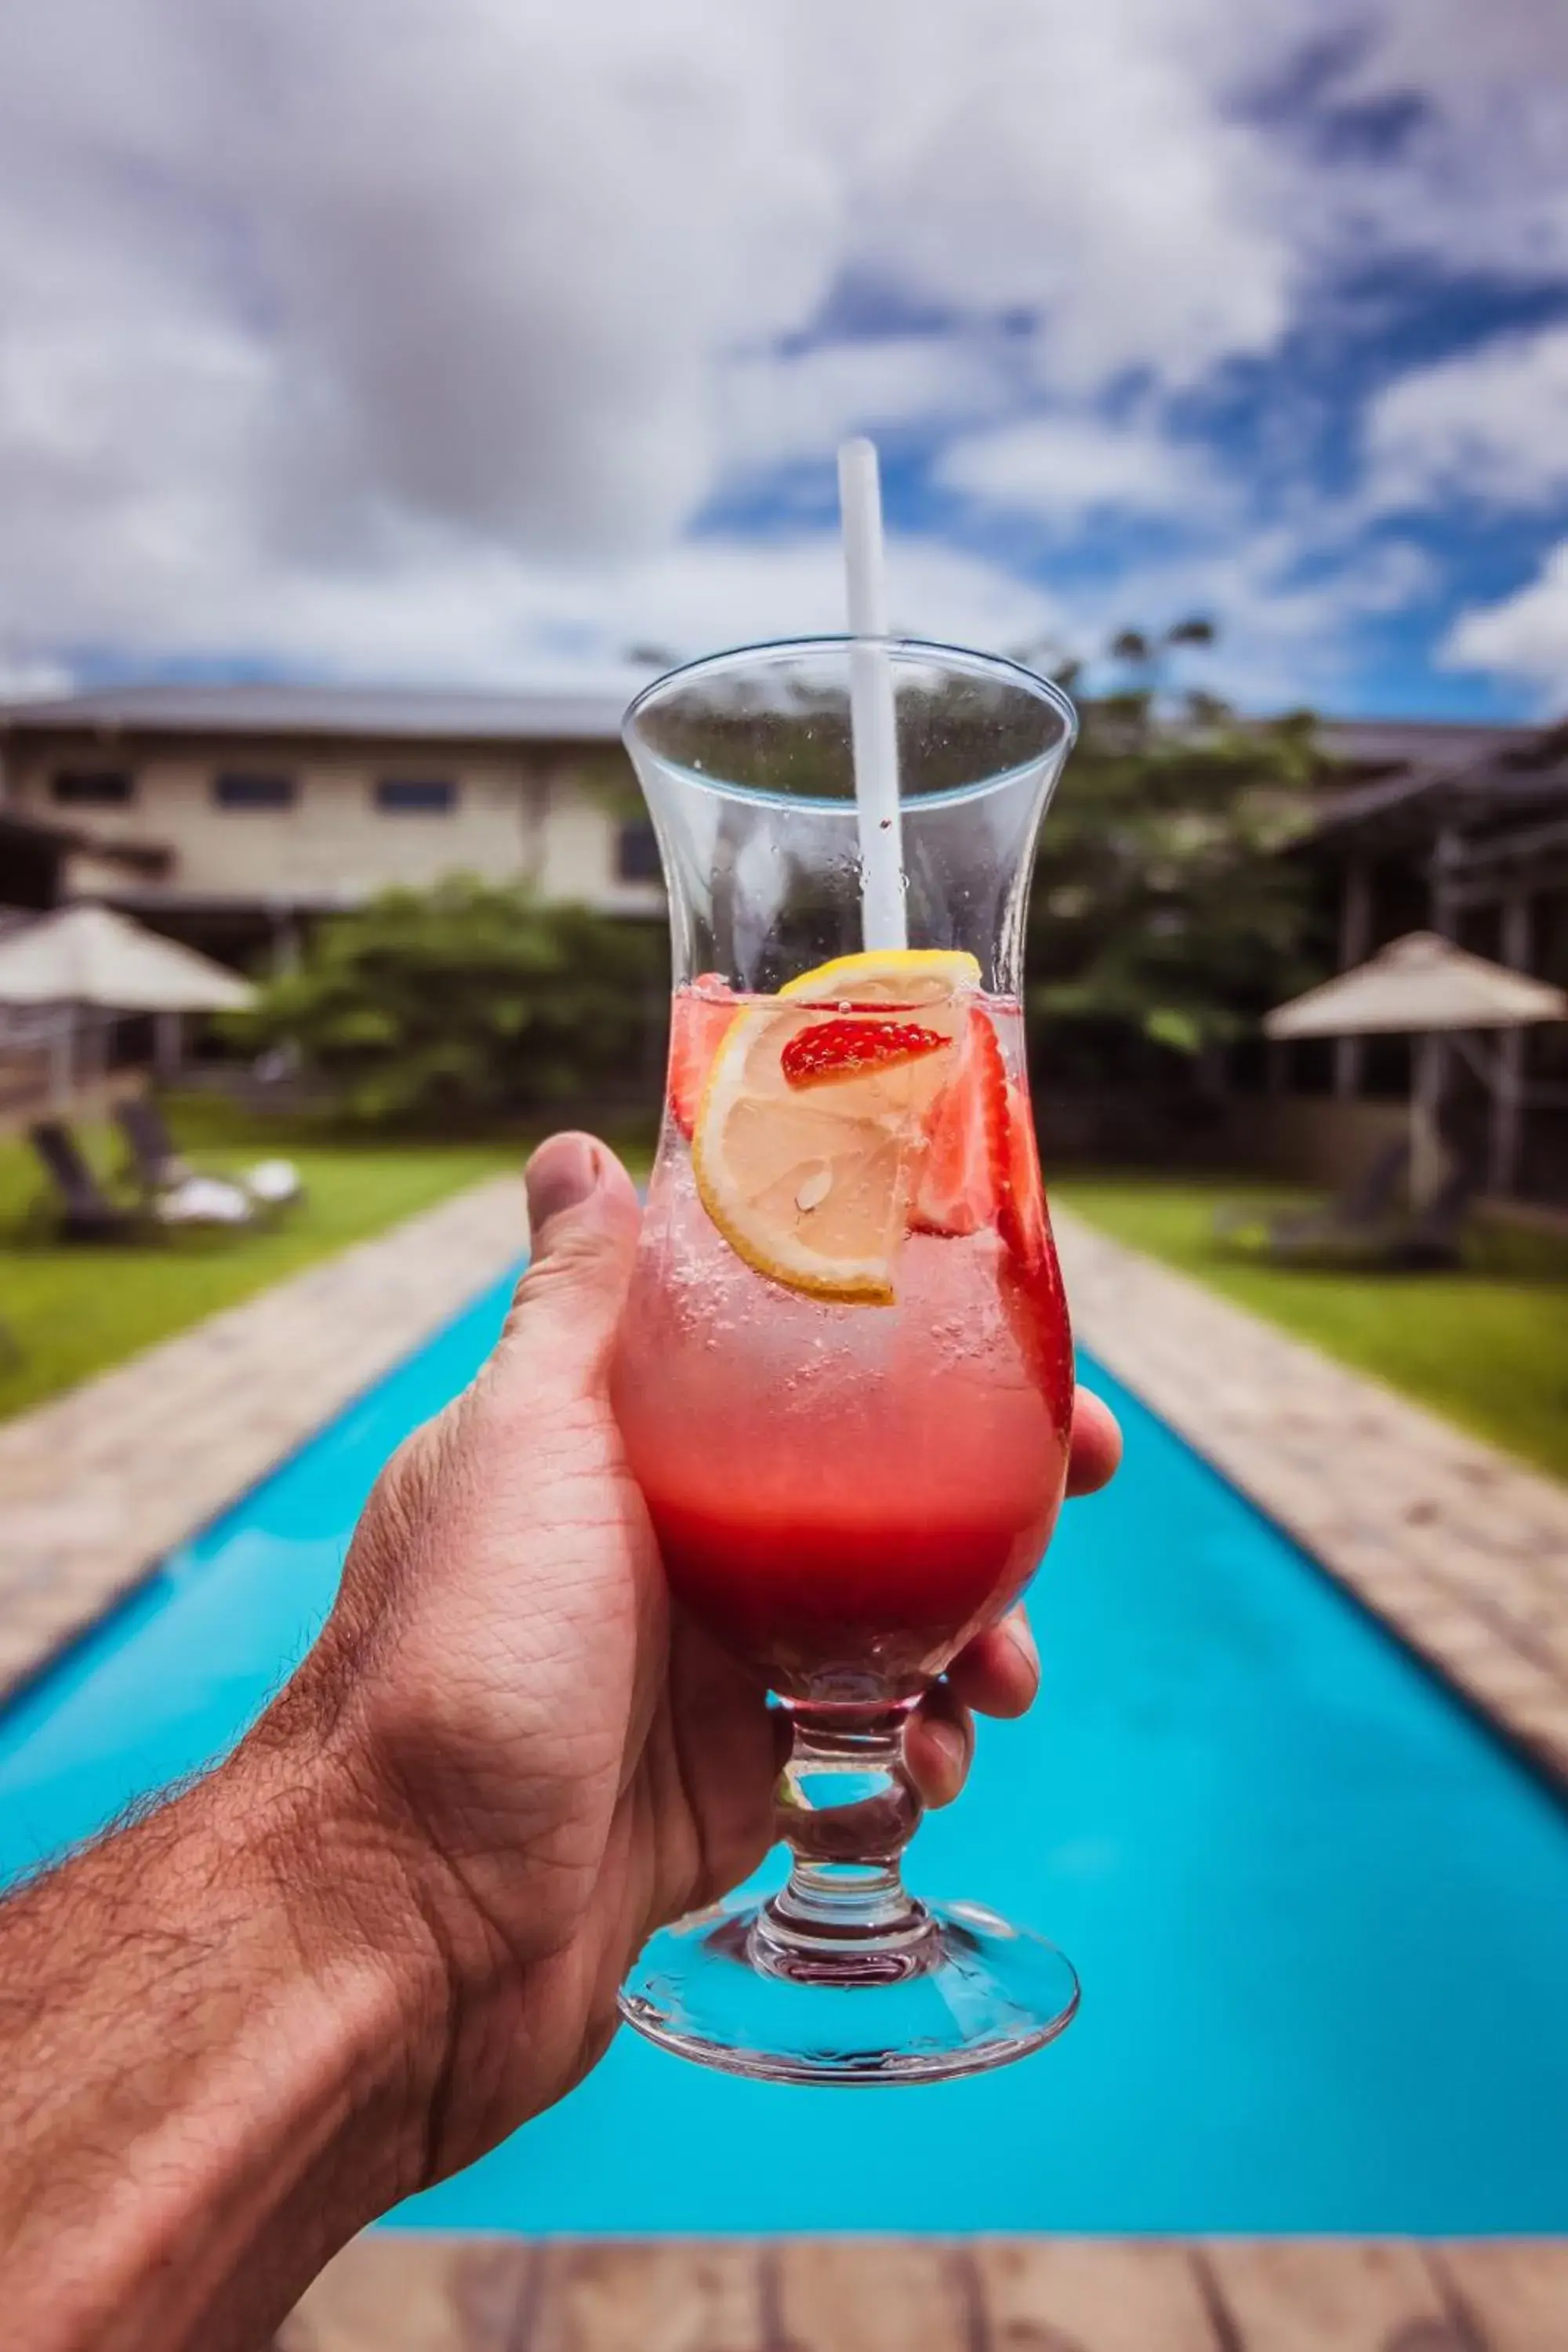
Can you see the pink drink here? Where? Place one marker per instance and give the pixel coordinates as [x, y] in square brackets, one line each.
[844, 1493]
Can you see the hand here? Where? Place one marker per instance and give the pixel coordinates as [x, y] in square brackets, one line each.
[560, 1768]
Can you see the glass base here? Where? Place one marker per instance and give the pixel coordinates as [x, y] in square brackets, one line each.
[965, 1993]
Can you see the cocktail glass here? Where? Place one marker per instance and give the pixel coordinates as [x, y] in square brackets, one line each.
[845, 1376]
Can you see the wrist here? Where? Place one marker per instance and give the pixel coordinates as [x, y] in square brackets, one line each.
[347, 1889]
[255, 2019]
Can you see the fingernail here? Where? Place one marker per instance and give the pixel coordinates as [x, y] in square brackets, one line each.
[561, 1175]
[1022, 1641]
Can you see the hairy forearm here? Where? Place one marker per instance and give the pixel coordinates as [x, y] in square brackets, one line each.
[220, 2033]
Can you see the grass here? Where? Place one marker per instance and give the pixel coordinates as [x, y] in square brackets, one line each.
[1487, 1345]
[74, 1309]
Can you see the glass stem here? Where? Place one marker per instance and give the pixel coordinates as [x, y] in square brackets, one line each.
[847, 1810]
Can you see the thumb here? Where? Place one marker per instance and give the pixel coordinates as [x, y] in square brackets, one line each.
[584, 1219]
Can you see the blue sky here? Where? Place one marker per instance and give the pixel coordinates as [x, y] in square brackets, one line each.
[450, 341]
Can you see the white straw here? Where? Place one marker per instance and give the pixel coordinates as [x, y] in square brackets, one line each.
[873, 718]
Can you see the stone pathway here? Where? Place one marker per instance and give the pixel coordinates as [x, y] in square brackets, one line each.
[388, 2293]
[1461, 1549]
[98, 1486]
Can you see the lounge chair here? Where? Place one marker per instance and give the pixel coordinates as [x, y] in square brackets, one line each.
[154, 1163]
[1363, 1211]
[89, 1213]
[165, 1177]
[86, 1212]
[1407, 1241]
[1432, 1236]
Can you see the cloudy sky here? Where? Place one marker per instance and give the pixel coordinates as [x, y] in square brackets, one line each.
[487, 340]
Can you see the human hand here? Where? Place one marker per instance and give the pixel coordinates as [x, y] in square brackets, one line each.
[559, 1764]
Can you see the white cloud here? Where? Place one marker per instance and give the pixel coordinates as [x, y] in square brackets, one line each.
[1479, 184]
[1080, 162]
[1292, 617]
[1065, 467]
[23, 679]
[494, 264]
[338, 312]
[1524, 635]
[714, 591]
[412, 336]
[1489, 424]
[778, 408]
[461, 612]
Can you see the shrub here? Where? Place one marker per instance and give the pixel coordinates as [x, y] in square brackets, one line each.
[467, 1003]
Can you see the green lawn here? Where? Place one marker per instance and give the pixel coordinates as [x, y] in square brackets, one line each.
[74, 1309]
[1487, 1345]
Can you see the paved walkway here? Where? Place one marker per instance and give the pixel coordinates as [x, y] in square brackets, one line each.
[1462, 1549]
[853, 2294]
[97, 1486]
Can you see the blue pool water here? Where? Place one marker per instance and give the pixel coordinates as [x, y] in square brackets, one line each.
[1321, 1916]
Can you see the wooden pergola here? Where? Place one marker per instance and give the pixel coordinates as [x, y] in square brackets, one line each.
[1478, 853]
[1425, 988]
[66, 977]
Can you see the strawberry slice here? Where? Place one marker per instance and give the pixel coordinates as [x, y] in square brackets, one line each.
[833, 1050]
[962, 1171]
[1024, 1220]
[699, 1017]
[1033, 1284]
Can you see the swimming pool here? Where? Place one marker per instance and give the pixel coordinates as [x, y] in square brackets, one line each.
[1321, 1914]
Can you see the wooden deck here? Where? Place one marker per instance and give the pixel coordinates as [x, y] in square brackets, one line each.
[407, 2294]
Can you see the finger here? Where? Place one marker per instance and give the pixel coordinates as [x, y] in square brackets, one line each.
[584, 1219]
[999, 1672]
[1095, 1446]
[939, 1742]
[732, 1746]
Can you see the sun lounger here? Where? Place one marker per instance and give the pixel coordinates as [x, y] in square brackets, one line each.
[1434, 1235]
[84, 1210]
[166, 1178]
[1364, 1210]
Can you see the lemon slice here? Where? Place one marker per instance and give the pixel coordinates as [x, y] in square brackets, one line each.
[810, 1130]
[887, 976]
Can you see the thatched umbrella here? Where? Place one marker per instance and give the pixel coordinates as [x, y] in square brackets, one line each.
[1421, 986]
[89, 957]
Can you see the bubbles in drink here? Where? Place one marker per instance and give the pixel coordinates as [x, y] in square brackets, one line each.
[847, 1487]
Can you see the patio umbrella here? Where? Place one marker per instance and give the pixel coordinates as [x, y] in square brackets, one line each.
[89, 958]
[1422, 986]
[89, 955]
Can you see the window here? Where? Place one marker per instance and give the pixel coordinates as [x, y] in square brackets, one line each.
[241, 789]
[636, 851]
[93, 787]
[417, 795]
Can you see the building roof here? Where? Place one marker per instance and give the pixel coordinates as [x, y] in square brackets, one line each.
[390, 713]
[1373, 747]
[1368, 747]
[1465, 777]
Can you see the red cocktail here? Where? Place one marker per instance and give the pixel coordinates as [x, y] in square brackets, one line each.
[844, 1375]
[845, 1492]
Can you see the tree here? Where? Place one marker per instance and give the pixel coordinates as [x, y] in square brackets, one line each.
[1164, 917]
[466, 1003]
